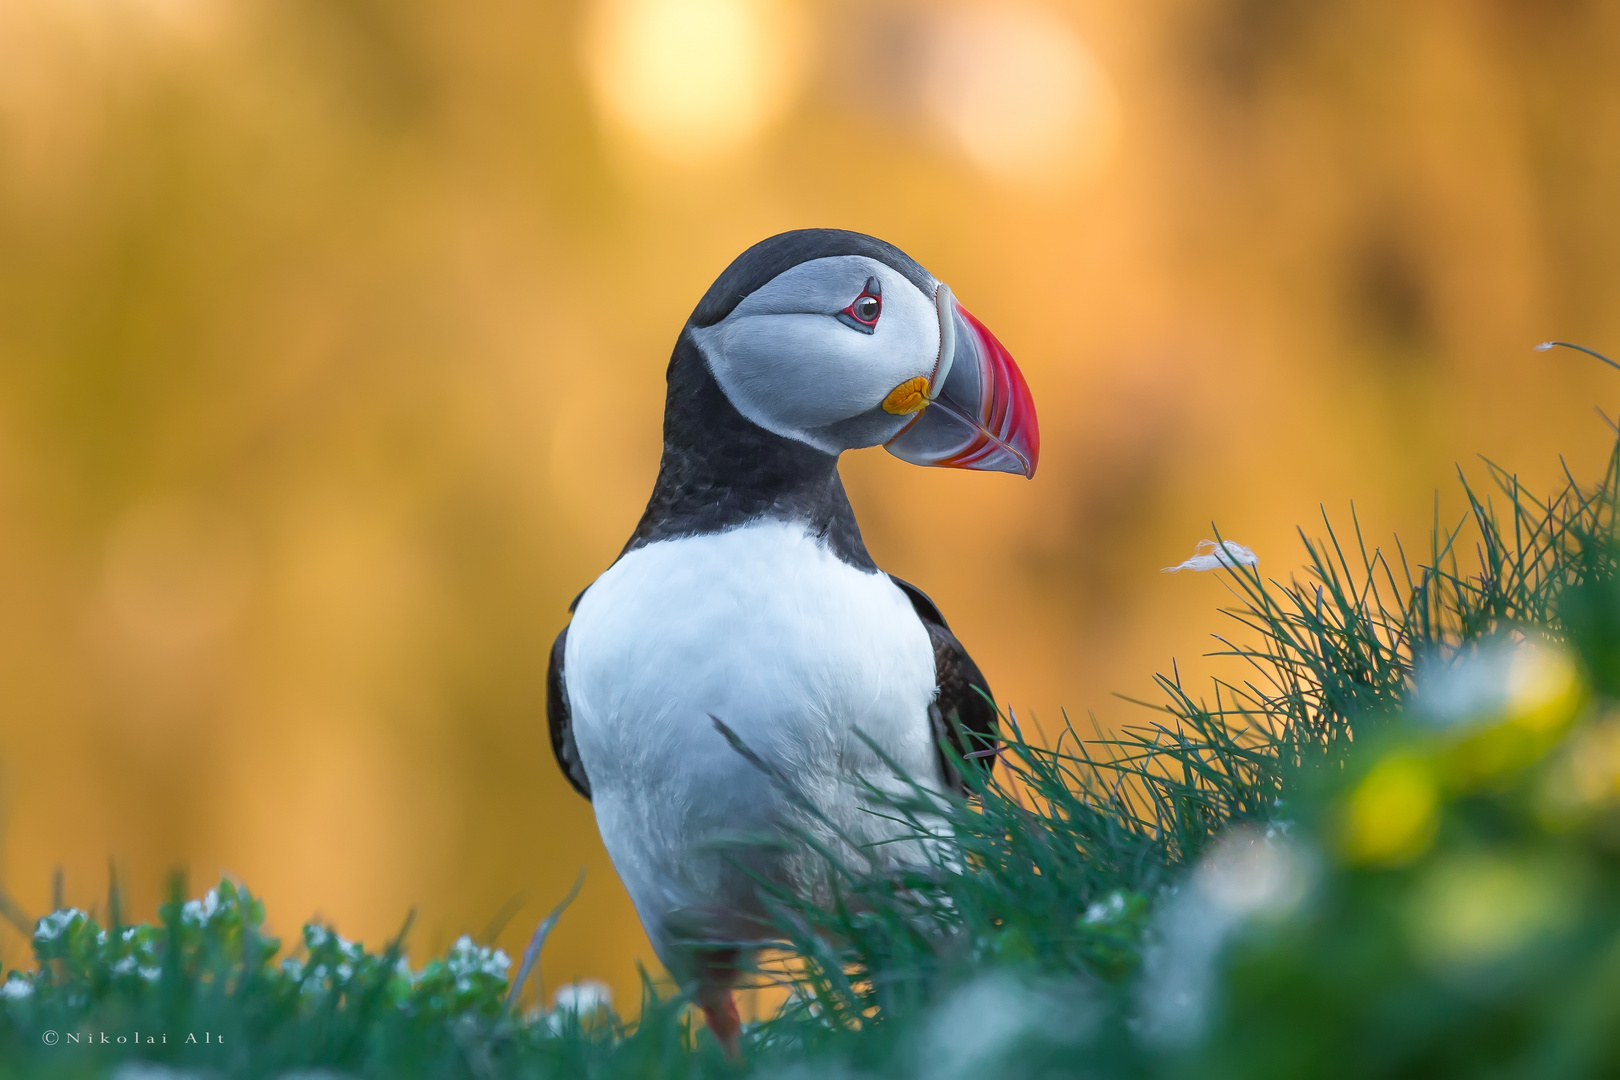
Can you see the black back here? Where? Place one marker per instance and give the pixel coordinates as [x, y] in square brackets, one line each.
[964, 712]
[558, 717]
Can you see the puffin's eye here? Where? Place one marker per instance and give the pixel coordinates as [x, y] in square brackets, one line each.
[862, 314]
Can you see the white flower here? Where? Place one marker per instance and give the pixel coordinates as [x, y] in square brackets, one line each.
[974, 1030]
[467, 958]
[584, 996]
[1106, 910]
[16, 988]
[1246, 875]
[198, 912]
[1209, 555]
[576, 1000]
[52, 926]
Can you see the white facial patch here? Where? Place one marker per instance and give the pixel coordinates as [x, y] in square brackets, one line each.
[791, 366]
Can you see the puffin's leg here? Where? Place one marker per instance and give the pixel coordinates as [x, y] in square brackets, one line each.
[717, 973]
[720, 1010]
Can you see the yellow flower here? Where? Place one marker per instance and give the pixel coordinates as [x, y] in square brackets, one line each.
[1391, 817]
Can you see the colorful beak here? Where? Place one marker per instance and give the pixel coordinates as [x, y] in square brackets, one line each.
[980, 414]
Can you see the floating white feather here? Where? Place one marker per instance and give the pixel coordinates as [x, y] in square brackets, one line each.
[1210, 555]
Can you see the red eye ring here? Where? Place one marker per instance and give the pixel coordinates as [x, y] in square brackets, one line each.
[865, 310]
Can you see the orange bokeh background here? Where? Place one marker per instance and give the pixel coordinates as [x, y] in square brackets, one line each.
[332, 338]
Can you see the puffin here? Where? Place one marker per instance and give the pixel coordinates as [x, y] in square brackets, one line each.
[743, 688]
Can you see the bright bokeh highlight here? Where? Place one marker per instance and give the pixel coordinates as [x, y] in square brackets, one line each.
[693, 79]
[1017, 90]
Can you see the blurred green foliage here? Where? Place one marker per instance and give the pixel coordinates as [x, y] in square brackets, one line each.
[1392, 850]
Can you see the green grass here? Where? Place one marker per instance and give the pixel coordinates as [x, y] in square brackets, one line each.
[1389, 846]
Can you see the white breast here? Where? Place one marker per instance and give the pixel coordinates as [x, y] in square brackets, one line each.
[796, 651]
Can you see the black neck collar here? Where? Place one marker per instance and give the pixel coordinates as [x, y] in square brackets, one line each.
[721, 470]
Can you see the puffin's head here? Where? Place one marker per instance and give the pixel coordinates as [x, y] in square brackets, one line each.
[839, 340]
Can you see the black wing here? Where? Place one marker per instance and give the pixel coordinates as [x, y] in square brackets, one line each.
[562, 731]
[962, 712]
